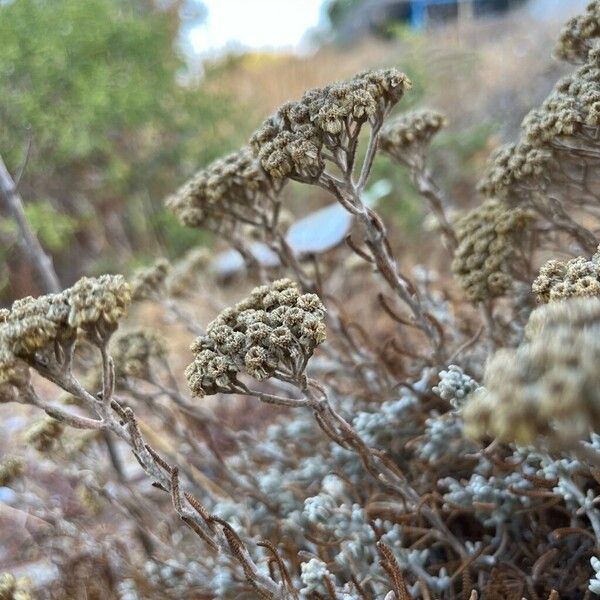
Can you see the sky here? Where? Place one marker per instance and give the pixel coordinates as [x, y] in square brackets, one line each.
[282, 24]
[254, 24]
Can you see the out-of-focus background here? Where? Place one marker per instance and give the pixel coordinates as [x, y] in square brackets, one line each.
[107, 106]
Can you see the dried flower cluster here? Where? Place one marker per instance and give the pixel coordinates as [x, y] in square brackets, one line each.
[396, 476]
[580, 35]
[294, 142]
[486, 242]
[275, 329]
[40, 327]
[514, 166]
[410, 132]
[231, 190]
[564, 279]
[549, 386]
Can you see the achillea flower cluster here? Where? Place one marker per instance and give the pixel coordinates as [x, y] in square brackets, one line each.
[553, 136]
[580, 35]
[486, 242]
[564, 279]
[573, 105]
[149, 282]
[231, 190]
[293, 142]
[134, 351]
[513, 166]
[275, 329]
[549, 387]
[410, 133]
[39, 326]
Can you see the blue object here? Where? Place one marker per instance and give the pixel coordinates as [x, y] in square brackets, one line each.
[419, 8]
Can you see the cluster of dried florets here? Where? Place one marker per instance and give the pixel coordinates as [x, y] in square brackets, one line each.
[580, 34]
[149, 282]
[134, 351]
[513, 166]
[564, 127]
[12, 588]
[297, 141]
[46, 328]
[573, 106]
[231, 190]
[564, 279]
[410, 133]
[486, 241]
[549, 386]
[273, 331]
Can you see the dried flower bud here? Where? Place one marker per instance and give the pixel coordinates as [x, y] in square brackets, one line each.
[98, 302]
[410, 133]
[12, 588]
[513, 165]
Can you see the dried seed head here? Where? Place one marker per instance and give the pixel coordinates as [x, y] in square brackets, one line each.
[98, 302]
[230, 190]
[274, 328]
[580, 35]
[486, 242]
[410, 133]
[549, 386]
[559, 280]
[290, 143]
[149, 283]
[511, 166]
[42, 326]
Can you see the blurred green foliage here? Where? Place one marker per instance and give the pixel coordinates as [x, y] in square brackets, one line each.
[116, 121]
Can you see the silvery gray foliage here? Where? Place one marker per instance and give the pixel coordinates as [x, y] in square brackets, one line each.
[594, 585]
[127, 590]
[312, 574]
[443, 438]
[491, 497]
[387, 421]
[454, 385]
